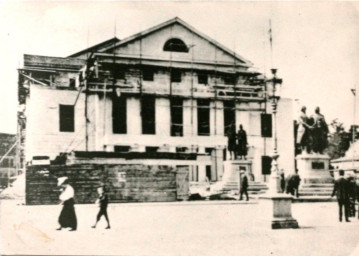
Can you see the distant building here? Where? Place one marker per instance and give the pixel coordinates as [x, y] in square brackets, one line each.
[169, 88]
[8, 158]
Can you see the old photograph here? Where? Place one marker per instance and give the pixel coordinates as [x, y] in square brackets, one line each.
[179, 128]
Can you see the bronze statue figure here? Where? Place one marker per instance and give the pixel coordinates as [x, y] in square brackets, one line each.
[319, 132]
[231, 143]
[312, 132]
[242, 142]
[303, 130]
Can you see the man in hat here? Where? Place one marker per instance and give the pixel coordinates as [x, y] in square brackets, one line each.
[244, 185]
[67, 218]
[341, 189]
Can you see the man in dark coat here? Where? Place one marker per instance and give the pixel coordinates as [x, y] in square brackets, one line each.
[341, 189]
[351, 196]
[244, 186]
[295, 183]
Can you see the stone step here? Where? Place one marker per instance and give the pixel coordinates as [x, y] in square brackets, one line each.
[314, 193]
[318, 185]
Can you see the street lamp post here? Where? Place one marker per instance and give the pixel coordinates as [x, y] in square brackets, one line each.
[278, 205]
[274, 185]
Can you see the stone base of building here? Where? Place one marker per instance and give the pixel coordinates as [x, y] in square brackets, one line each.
[313, 168]
[278, 211]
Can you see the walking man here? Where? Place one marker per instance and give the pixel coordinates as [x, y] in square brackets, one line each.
[103, 202]
[244, 186]
[341, 188]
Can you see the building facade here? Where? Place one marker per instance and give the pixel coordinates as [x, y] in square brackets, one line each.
[8, 164]
[169, 88]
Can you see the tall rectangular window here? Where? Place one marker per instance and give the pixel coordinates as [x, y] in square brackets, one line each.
[176, 117]
[148, 115]
[119, 115]
[266, 125]
[67, 118]
[209, 172]
[148, 74]
[176, 76]
[203, 115]
[229, 115]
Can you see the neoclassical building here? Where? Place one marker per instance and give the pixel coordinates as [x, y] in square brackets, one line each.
[169, 88]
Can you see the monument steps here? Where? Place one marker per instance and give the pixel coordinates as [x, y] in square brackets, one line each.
[254, 187]
[316, 189]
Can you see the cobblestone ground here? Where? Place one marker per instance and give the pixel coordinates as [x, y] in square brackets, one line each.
[198, 228]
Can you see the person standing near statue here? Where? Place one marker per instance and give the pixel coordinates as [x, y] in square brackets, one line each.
[231, 143]
[242, 142]
[319, 132]
[341, 189]
[295, 183]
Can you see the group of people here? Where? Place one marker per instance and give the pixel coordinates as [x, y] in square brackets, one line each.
[237, 142]
[290, 184]
[67, 218]
[347, 192]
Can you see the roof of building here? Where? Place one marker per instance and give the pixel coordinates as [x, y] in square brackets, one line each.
[351, 154]
[96, 47]
[182, 23]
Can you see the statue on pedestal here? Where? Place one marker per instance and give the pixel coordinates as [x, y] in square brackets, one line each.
[231, 143]
[319, 132]
[242, 142]
[312, 132]
[303, 131]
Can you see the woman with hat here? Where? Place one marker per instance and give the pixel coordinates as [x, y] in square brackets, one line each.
[67, 218]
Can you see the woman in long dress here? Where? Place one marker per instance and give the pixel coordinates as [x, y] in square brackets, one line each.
[67, 218]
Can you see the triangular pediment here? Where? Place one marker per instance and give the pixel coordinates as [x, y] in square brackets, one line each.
[151, 43]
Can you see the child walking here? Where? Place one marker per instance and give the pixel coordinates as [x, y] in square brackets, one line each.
[103, 202]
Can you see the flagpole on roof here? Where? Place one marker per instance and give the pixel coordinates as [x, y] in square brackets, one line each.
[271, 42]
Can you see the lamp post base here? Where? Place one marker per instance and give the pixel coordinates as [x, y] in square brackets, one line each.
[278, 207]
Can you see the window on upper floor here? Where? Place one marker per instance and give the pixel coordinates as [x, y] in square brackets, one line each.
[67, 118]
[176, 76]
[175, 45]
[229, 79]
[202, 78]
[148, 74]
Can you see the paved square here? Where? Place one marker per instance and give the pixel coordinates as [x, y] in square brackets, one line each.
[183, 228]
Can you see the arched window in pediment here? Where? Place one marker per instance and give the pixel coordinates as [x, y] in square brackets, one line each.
[175, 45]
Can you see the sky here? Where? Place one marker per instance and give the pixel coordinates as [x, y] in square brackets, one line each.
[315, 44]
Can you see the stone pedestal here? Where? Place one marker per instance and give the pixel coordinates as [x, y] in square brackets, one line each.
[231, 179]
[277, 208]
[313, 168]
